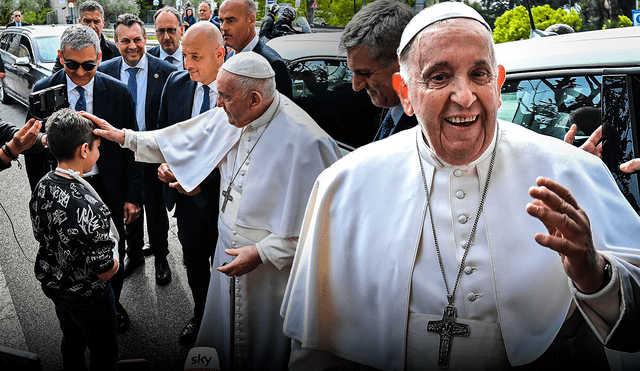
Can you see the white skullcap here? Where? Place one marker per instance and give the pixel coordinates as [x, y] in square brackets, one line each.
[249, 64]
[435, 13]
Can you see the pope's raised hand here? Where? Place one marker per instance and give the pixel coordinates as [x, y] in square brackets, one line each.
[105, 130]
[569, 233]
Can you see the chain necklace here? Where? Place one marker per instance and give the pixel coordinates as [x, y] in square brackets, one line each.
[226, 194]
[448, 327]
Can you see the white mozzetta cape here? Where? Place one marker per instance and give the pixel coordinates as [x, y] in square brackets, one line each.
[349, 288]
[292, 151]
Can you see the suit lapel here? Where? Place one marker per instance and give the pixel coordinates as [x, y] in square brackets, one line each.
[100, 100]
[153, 74]
[189, 92]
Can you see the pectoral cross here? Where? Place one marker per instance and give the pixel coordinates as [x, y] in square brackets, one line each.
[447, 327]
[227, 197]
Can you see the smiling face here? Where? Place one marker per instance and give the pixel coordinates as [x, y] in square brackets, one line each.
[238, 27]
[131, 42]
[79, 76]
[168, 21]
[371, 75]
[203, 52]
[454, 89]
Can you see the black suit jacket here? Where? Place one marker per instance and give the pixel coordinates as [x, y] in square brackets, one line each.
[405, 122]
[13, 24]
[121, 175]
[107, 47]
[155, 51]
[283, 79]
[157, 75]
[175, 106]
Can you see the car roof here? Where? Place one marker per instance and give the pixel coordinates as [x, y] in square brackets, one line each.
[321, 44]
[38, 31]
[618, 47]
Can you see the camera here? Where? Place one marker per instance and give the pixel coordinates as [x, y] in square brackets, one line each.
[45, 102]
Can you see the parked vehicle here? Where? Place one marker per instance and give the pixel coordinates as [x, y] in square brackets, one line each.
[29, 54]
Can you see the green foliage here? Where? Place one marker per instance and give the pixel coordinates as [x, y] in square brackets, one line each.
[113, 8]
[622, 21]
[514, 24]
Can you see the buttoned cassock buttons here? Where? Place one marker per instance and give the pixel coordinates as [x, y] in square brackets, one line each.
[460, 194]
[457, 172]
[468, 270]
[463, 219]
[471, 296]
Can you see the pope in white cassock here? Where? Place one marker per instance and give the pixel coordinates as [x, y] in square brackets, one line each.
[269, 158]
[463, 244]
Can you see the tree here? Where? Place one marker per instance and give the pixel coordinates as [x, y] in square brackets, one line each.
[514, 24]
[113, 8]
[622, 21]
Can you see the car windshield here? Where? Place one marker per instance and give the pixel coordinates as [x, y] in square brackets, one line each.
[47, 48]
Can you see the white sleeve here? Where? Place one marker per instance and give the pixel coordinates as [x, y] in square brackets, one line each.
[145, 146]
[278, 250]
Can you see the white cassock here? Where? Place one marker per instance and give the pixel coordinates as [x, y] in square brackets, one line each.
[366, 279]
[269, 196]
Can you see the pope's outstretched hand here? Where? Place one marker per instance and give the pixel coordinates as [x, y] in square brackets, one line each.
[105, 130]
[569, 233]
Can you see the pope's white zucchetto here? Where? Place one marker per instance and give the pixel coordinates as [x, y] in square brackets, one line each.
[435, 13]
[249, 64]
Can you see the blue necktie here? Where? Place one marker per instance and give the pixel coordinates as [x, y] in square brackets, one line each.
[132, 84]
[205, 100]
[81, 103]
[387, 125]
[169, 59]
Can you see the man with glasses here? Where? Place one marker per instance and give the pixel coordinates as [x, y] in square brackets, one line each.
[92, 15]
[17, 20]
[116, 177]
[169, 29]
[145, 76]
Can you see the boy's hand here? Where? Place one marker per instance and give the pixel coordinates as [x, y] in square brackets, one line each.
[105, 130]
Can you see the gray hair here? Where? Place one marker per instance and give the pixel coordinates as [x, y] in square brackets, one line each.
[127, 20]
[90, 6]
[169, 9]
[377, 27]
[78, 37]
[405, 72]
[266, 87]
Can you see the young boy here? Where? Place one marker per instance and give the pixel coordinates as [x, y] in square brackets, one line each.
[75, 259]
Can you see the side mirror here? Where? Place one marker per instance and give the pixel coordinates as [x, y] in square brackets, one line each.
[23, 61]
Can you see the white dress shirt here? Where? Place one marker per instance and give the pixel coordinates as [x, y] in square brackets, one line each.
[198, 96]
[141, 80]
[177, 57]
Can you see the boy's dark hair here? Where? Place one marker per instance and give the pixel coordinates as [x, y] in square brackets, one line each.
[66, 131]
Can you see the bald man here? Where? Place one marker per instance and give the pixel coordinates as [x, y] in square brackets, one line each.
[187, 94]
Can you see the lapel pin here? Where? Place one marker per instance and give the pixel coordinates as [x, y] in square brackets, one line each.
[156, 76]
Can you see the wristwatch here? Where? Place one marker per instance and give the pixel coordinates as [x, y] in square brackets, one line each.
[608, 273]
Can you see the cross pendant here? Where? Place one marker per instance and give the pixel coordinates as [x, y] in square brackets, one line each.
[227, 197]
[447, 327]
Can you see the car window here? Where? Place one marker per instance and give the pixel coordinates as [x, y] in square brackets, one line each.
[14, 45]
[550, 105]
[5, 40]
[46, 48]
[322, 87]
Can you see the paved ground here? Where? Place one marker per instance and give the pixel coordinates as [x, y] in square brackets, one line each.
[27, 317]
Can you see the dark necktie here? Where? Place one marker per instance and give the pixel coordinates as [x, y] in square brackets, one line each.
[206, 104]
[387, 125]
[170, 59]
[81, 103]
[132, 84]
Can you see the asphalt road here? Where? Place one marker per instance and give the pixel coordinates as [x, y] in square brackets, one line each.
[27, 318]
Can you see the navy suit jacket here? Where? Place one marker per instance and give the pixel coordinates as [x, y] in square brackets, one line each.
[283, 79]
[121, 175]
[157, 75]
[405, 122]
[155, 51]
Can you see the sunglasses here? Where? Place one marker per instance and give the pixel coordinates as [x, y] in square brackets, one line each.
[73, 65]
[17, 15]
[161, 31]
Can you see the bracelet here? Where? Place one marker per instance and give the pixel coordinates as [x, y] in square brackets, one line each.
[8, 153]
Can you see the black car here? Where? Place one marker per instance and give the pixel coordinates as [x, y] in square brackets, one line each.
[29, 54]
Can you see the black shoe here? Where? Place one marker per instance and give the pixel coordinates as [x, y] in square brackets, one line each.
[189, 333]
[146, 250]
[122, 317]
[163, 272]
[132, 263]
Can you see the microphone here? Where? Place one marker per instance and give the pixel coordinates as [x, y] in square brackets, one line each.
[202, 359]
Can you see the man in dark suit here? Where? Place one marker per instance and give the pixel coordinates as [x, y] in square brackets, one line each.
[17, 20]
[169, 29]
[237, 23]
[371, 39]
[145, 76]
[92, 15]
[187, 94]
[116, 177]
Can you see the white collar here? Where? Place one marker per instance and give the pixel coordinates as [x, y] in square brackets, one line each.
[177, 54]
[142, 63]
[88, 87]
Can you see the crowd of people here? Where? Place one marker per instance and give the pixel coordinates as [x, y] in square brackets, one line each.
[455, 240]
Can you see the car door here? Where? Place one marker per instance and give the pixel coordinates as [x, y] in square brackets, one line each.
[25, 72]
[7, 41]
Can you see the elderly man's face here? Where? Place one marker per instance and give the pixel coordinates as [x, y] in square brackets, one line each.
[369, 74]
[94, 20]
[237, 27]
[454, 89]
[168, 32]
[204, 12]
[233, 100]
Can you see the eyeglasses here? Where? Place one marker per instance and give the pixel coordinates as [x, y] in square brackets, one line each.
[17, 15]
[161, 31]
[73, 65]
